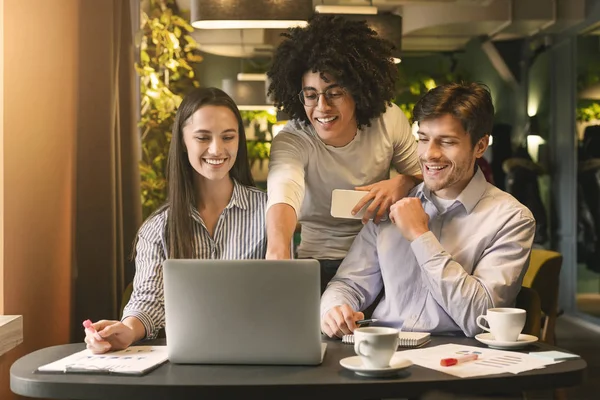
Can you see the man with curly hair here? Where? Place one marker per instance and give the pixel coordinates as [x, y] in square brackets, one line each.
[335, 78]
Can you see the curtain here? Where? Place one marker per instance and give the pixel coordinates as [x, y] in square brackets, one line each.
[108, 206]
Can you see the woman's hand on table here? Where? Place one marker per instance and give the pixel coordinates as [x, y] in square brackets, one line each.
[106, 335]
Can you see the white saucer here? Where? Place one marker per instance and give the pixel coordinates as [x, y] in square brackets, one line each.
[522, 341]
[355, 364]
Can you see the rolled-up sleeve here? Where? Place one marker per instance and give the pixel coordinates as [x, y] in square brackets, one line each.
[496, 278]
[147, 298]
[285, 181]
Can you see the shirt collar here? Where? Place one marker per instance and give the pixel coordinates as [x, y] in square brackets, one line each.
[470, 195]
[237, 200]
[237, 197]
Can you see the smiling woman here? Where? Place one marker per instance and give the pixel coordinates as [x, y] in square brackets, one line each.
[211, 140]
[213, 211]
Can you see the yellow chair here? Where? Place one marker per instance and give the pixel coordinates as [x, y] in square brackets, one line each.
[543, 276]
[529, 300]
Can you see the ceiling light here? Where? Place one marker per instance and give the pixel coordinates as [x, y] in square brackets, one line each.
[248, 95]
[251, 77]
[250, 14]
[364, 10]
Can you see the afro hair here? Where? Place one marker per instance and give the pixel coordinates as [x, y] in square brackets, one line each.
[350, 51]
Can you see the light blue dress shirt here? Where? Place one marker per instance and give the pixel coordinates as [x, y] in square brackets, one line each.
[473, 258]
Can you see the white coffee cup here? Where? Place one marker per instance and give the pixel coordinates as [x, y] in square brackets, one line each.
[505, 323]
[375, 345]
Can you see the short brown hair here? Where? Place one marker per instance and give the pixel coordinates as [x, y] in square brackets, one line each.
[470, 103]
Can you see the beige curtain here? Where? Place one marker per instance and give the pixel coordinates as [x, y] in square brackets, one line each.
[108, 209]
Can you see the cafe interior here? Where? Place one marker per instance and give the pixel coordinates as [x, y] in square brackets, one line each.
[82, 151]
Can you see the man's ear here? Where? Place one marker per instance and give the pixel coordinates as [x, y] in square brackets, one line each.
[481, 146]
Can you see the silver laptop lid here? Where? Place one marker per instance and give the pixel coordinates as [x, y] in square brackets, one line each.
[243, 311]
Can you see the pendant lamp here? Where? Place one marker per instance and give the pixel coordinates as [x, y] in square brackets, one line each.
[250, 14]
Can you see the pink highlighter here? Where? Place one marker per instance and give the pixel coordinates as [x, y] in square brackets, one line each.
[447, 362]
[87, 324]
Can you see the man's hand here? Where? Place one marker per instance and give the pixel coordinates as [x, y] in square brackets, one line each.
[410, 217]
[109, 335]
[384, 194]
[340, 321]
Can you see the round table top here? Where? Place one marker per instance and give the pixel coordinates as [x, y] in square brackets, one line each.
[327, 380]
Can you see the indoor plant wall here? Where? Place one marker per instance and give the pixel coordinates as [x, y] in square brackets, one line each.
[166, 69]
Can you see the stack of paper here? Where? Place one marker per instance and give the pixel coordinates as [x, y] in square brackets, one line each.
[489, 361]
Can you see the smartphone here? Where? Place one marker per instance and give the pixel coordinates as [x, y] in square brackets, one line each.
[343, 201]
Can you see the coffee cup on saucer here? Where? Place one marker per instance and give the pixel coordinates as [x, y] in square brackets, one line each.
[505, 323]
[375, 345]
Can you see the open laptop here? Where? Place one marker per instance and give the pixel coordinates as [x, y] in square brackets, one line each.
[243, 312]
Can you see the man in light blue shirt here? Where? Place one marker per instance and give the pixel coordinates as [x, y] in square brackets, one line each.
[454, 247]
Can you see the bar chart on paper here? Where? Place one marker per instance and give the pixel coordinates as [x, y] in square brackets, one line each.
[488, 362]
[135, 360]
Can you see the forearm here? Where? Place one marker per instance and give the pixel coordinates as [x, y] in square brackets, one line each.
[281, 224]
[339, 293]
[136, 326]
[407, 182]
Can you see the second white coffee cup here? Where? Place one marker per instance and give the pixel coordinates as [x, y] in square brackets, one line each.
[375, 345]
[505, 323]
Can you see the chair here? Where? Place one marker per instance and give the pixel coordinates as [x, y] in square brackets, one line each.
[529, 300]
[543, 276]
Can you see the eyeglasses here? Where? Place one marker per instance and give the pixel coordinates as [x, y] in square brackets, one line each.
[334, 96]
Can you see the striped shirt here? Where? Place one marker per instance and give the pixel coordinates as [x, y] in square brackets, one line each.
[240, 233]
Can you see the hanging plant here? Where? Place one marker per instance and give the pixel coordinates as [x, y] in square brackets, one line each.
[166, 69]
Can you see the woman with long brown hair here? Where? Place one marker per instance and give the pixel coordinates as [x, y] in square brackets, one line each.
[213, 211]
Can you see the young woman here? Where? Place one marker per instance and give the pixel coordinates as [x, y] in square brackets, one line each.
[213, 211]
[336, 79]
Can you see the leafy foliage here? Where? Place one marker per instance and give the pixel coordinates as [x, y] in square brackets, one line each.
[166, 69]
[412, 86]
[259, 148]
[587, 110]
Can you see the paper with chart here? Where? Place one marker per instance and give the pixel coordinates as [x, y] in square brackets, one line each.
[489, 361]
[135, 360]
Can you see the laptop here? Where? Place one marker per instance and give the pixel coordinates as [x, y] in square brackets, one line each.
[243, 312]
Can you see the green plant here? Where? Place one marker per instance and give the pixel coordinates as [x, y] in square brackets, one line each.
[412, 85]
[587, 110]
[259, 149]
[166, 69]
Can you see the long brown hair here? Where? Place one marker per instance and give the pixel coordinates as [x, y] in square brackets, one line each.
[181, 194]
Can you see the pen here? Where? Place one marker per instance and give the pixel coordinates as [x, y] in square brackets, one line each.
[87, 324]
[447, 362]
[366, 321]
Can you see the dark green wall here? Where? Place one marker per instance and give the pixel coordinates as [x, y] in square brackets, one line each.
[213, 69]
[473, 65]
